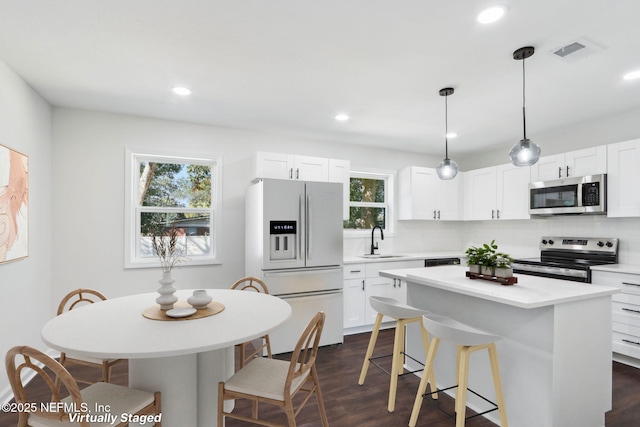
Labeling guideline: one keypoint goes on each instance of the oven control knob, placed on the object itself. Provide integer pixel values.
(609, 244)
(551, 242)
(600, 244)
(544, 241)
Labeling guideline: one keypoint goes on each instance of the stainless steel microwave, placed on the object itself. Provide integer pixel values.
(578, 195)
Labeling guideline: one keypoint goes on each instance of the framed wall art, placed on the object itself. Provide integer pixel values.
(14, 205)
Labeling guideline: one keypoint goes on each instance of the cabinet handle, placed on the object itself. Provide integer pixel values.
(492, 214)
(567, 171)
(363, 285)
(631, 342)
(631, 284)
(632, 311)
(438, 214)
(559, 171)
(399, 283)
(297, 173)
(355, 271)
(497, 213)
(394, 283)
(290, 173)
(434, 214)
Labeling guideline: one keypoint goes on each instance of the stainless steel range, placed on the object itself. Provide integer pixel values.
(569, 258)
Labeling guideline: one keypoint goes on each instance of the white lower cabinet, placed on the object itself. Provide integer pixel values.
(362, 281)
(625, 311)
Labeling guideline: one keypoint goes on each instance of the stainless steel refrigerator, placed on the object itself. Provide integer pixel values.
(293, 241)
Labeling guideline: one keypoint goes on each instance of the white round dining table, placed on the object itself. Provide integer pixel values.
(183, 359)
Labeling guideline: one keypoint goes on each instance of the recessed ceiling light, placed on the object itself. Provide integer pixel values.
(342, 117)
(491, 14)
(179, 90)
(632, 75)
(452, 135)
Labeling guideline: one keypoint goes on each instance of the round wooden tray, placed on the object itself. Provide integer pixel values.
(154, 312)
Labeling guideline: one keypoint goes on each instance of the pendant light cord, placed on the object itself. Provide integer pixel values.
(524, 119)
(446, 128)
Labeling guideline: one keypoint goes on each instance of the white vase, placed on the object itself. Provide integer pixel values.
(200, 299)
(166, 291)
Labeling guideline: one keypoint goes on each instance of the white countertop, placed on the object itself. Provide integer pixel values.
(402, 256)
(529, 292)
(618, 268)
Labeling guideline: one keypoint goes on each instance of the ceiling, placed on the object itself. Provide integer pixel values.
(291, 65)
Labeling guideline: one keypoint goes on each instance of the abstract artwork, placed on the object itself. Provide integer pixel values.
(14, 205)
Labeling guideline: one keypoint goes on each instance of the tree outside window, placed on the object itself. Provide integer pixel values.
(172, 193)
(368, 201)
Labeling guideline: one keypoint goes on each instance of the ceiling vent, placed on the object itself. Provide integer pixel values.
(576, 50)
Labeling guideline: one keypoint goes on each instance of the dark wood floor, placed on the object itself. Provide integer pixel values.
(366, 406)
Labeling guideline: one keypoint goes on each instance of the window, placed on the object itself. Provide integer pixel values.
(166, 192)
(369, 201)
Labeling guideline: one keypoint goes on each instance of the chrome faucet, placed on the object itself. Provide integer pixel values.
(374, 247)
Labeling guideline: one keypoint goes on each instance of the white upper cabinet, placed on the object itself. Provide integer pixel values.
(497, 192)
(623, 176)
(424, 196)
(589, 161)
(512, 195)
(289, 166)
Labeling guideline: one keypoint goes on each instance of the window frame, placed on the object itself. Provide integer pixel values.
(132, 208)
(389, 177)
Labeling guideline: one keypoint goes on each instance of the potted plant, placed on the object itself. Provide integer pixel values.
(486, 260)
(503, 265)
(474, 256)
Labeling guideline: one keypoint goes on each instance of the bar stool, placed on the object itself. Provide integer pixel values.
(403, 314)
(468, 340)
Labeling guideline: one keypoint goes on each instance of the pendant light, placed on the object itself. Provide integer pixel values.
(525, 152)
(446, 169)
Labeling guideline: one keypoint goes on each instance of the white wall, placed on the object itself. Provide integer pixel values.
(88, 207)
(25, 126)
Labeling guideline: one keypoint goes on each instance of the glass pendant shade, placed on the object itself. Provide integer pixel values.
(524, 153)
(447, 169)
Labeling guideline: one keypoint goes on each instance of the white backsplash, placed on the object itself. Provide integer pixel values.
(517, 237)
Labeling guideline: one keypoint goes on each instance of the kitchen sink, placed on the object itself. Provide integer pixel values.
(382, 256)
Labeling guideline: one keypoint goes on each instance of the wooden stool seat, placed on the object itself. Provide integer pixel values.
(403, 314)
(468, 339)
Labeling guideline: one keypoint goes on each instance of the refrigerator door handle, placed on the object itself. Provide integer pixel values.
(308, 227)
(296, 272)
(299, 226)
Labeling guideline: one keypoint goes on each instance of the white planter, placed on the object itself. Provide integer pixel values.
(487, 271)
(503, 272)
(474, 268)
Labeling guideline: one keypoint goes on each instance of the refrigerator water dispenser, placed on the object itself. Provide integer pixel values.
(283, 238)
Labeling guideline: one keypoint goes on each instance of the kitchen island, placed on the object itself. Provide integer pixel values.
(555, 355)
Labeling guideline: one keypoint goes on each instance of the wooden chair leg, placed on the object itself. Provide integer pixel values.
(106, 371)
(372, 344)
(220, 404)
(321, 408)
(426, 374)
(497, 384)
(463, 378)
(425, 344)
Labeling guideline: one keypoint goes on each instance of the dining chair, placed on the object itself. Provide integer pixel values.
(277, 382)
(79, 407)
(251, 349)
(73, 300)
